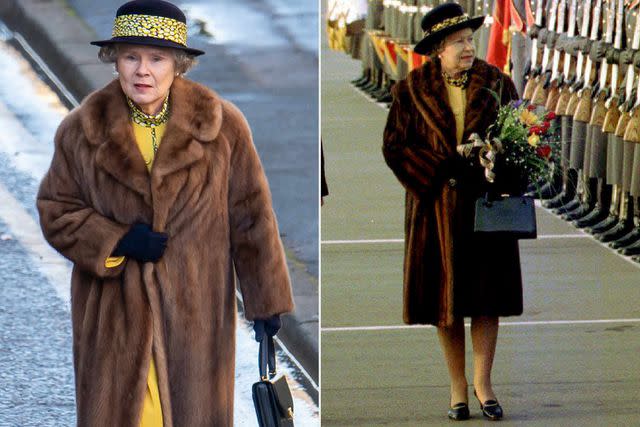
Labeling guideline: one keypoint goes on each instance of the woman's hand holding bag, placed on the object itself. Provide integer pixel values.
(269, 326)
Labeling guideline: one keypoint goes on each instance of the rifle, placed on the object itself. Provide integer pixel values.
(583, 110)
(584, 31)
(539, 96)
(563, 91)
(556, 78)
(615, 100)
(599, 111)
(530, 86)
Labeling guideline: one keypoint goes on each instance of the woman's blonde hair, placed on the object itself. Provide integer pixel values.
(184, 61)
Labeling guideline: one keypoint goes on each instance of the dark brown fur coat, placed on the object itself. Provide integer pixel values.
(207, 190)
(448, 272)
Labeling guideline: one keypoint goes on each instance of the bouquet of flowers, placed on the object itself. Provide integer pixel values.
(520, 148)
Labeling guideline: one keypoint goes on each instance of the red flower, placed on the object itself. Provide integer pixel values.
(537, 129)
(543, 151)
(546, 125)
(550, 115)
(531, 107)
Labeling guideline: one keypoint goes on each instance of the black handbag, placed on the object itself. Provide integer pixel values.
(271, 398)
(506, 217)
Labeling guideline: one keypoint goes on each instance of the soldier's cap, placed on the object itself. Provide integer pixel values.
(155, 23)
(441, 21)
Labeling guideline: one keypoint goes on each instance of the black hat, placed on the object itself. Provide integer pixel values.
(150, 23)
(443, 20)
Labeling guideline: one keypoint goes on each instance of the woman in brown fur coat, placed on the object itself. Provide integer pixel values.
(448, 272)
(156, 194)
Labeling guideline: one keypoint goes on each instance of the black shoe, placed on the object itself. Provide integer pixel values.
(594, 217)
(548, 191)
(459, 412)
(631, 249)
(629, 239)
(561, 199)
(579, 213)
(385, 99)
(603, 226)
(567, 207)
(490, 409)
(619, 230)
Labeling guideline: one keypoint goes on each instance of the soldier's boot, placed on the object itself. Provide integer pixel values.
(602, 206)
(633, 248)
(608, 205)
(611, 220)
(624, 225)
(576, 201)
(549, 189)
(374, 84)
(568, 190)
(385, 95)
(632, 236)
(364, 80)
(588, 202)
(382, 88)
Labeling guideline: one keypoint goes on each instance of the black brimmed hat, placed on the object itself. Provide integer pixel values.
(150, 23)
(441, 21)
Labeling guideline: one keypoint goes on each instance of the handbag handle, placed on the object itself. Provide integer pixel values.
(267, 358)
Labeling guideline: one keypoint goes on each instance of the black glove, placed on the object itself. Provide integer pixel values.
(612, 55)
(142, 244)
(269, 326)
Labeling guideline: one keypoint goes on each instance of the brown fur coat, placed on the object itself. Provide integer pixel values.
(207, 190)
(445, 275)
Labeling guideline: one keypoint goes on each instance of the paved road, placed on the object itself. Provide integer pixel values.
(36, 374)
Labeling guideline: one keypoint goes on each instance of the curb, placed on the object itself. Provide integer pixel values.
(63, 41)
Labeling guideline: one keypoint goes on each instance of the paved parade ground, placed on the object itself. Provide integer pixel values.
(572, 358)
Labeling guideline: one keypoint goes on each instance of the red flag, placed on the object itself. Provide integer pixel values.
(499, 40)
(521, 20)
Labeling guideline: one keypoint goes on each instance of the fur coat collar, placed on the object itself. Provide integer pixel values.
(195, 120)
(429, 94)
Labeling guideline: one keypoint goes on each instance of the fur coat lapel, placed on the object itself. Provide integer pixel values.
(429, 94)
(196, 118)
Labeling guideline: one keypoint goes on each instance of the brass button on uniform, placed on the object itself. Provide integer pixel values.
(452, 182)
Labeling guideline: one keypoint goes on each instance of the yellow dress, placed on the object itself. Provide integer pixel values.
(457, 102)
(151, 411)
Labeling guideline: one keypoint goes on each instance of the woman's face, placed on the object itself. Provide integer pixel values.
(458, 52)
(146, 74)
